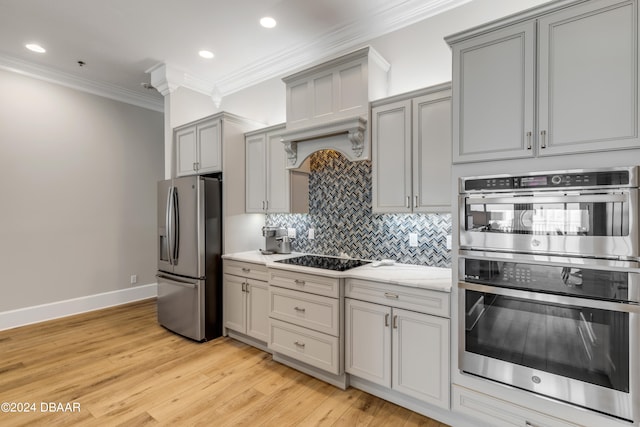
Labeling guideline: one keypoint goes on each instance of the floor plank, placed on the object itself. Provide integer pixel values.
(122, 368)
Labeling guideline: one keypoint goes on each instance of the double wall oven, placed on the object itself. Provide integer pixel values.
(549, 285)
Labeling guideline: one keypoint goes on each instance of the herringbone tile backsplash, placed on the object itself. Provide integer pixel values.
(340, 212)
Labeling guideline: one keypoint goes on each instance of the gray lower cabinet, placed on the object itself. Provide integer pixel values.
(306, 321)
(501, 413)
(389, 344)
(561, 81)
(245, 299)
(411, 152)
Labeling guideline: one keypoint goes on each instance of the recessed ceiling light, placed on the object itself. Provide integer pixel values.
(34, 47)
(268, 22)
(206, 54)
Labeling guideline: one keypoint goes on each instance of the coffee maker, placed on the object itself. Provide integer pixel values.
(276, 240)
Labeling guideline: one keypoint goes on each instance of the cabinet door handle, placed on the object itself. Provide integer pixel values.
(299, 282)
(386, 319)
(194, 166)
(408, 202)
(299, 344)
(246, 288)
(529, 134)
(395, 322)
(300, 309)
(266, 204)
(390, 295)
(244, 284)
(528, 424)
(415, 201)
(543, 139)
(263, 205)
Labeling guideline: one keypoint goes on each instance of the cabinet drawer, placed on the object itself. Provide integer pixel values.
(320, 285)
(415, 299)
(246, 269)
(300, 308)
(500, 412)
(311, 347)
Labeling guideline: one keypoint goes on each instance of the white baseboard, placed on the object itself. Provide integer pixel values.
(40, 313)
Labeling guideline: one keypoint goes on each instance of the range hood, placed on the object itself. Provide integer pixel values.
(328, 106)
(347, 136)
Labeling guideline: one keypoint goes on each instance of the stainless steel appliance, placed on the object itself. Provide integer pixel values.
(581, 213)
(560, 318)
(276, 240)
(189, 256)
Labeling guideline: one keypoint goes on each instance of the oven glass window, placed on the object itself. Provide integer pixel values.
(586, 344)
(563, 219)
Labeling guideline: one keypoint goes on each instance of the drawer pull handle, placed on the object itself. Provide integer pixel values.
(246, 270)
(302, 310)
(299, 282)
(390, 295)
(528, 424)
(386, 319)
(299, 344)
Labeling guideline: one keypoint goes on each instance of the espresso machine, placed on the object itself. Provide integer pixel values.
(277, 241)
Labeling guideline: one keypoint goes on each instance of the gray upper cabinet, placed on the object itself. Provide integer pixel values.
(432, 151)
(585, 72)
(588, 78)
(411, 152)
(199, 147)
(270, 186)
(391, 157)
(493, 79)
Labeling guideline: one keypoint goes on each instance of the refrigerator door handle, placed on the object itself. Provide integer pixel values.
(176, 226)
(167, 224)
(175, 281)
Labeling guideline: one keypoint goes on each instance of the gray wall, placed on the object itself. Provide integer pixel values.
(78, 178)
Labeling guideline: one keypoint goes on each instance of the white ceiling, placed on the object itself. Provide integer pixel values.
(119, 40)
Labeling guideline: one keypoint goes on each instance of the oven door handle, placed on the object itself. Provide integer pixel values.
(549, 198)
(552, 298)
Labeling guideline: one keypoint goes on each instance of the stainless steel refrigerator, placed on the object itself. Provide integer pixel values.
(189, 256)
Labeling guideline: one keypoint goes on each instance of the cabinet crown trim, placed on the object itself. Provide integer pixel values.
(532, 13)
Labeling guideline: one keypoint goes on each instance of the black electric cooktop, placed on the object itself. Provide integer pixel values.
(326, 263)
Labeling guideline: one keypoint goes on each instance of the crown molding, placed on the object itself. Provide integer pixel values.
(105, 90)
(333, 42)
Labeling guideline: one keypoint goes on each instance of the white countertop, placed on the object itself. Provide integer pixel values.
(417, 276)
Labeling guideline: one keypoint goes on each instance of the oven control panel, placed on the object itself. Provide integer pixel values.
(568, 179)
(514, 273)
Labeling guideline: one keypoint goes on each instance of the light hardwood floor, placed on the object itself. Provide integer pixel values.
(122, 368)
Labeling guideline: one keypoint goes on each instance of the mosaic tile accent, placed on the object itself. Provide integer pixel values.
(340, 212)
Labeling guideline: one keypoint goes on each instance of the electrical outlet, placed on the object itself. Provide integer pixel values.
(134, 279)
(291, 232)
(311, 234)
(449, 242)
(413, 240)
